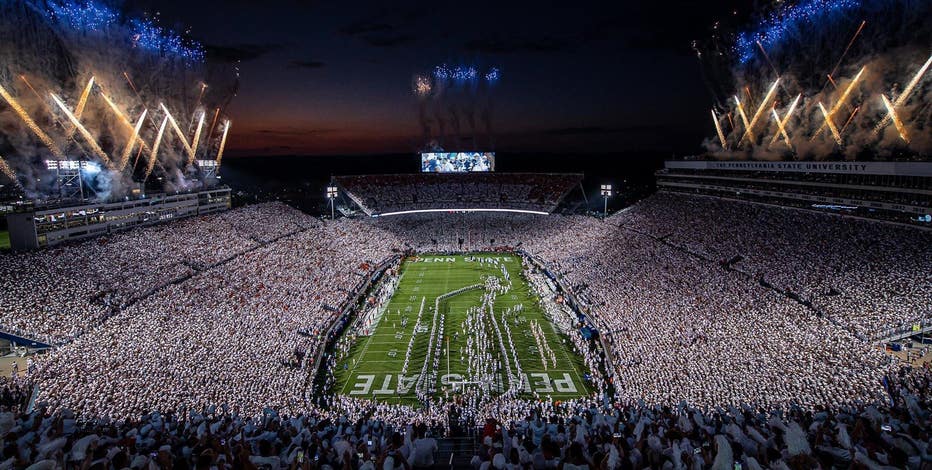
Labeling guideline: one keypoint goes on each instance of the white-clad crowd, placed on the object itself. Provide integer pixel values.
(543, 435)
(57, 294)
(681, 328)
(241, 334)
(525, 191)
(868, 276)
(229, 312)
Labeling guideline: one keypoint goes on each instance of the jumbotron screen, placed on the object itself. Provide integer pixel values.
(457, 162)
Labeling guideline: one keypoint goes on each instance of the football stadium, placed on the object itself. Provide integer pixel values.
(416, 259)
(454, 286)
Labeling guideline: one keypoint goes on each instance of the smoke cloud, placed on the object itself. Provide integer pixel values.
(818, 57)
(55, 46)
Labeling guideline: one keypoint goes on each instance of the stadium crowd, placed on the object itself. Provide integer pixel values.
(870, 277)
(682, 328)
(240, 334)
(57, 294)
(581, 435)
(220, 319)
(390, 193)
(545, 435)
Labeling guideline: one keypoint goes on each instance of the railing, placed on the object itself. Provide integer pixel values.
(575, 305)
(32, 400)
(23, 339)
(331, 331)
(905, 331)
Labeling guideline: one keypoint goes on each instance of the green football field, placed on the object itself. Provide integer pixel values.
(373, 367)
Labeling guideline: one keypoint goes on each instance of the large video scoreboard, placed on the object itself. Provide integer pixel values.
(457, 162)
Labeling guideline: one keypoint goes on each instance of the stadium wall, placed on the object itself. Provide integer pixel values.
(36, 228)
(897, 192)
(853, 168)
(916, 210)
(576, 306)
(344, 318)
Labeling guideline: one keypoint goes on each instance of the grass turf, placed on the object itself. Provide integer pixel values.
(370, 371)
(4, 240)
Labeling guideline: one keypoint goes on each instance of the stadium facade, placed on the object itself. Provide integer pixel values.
(893, 191)
(39, 227)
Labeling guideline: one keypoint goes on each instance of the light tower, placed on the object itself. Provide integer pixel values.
(209, 170)
(332, 196)
(69, 176)
(606, 193)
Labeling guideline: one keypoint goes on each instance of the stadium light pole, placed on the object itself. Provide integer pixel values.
(606, 193)
(332, 195)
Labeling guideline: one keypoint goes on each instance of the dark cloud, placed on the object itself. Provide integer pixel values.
(515, 45)
(365, 27)
(650, 39)
(388, 40)
(598, 130)
(306, 64)
(387, 27)
(607, 30)
(290, 132)
(241, 52)
(650, 25)
(643, 25)
(274, 148)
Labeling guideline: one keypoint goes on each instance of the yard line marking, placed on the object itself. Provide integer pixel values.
(457, 273)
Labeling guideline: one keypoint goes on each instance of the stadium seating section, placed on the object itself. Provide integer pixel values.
(742, 331)
(377, 194)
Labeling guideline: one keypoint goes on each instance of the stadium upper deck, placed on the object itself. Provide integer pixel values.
(34, 227)
(897, 191)
(515, 192)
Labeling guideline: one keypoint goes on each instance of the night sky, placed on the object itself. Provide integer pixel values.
(334, 77)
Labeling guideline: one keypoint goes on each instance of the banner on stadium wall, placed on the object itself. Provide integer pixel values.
(849, 168)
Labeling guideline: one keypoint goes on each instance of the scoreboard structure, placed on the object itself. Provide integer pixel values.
(457, 162)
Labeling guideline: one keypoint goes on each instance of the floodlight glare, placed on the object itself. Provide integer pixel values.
(90, 167)
(332, 196)
(606, 193)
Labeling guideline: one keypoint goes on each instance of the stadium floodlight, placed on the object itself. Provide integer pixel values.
(84, 165)
(69, 175)
(606, 193)
(61, 164)
(332, 196)
(90, 167)
(209, 170)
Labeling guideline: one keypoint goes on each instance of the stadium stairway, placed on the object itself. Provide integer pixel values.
(22, 340)
(454, 452)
